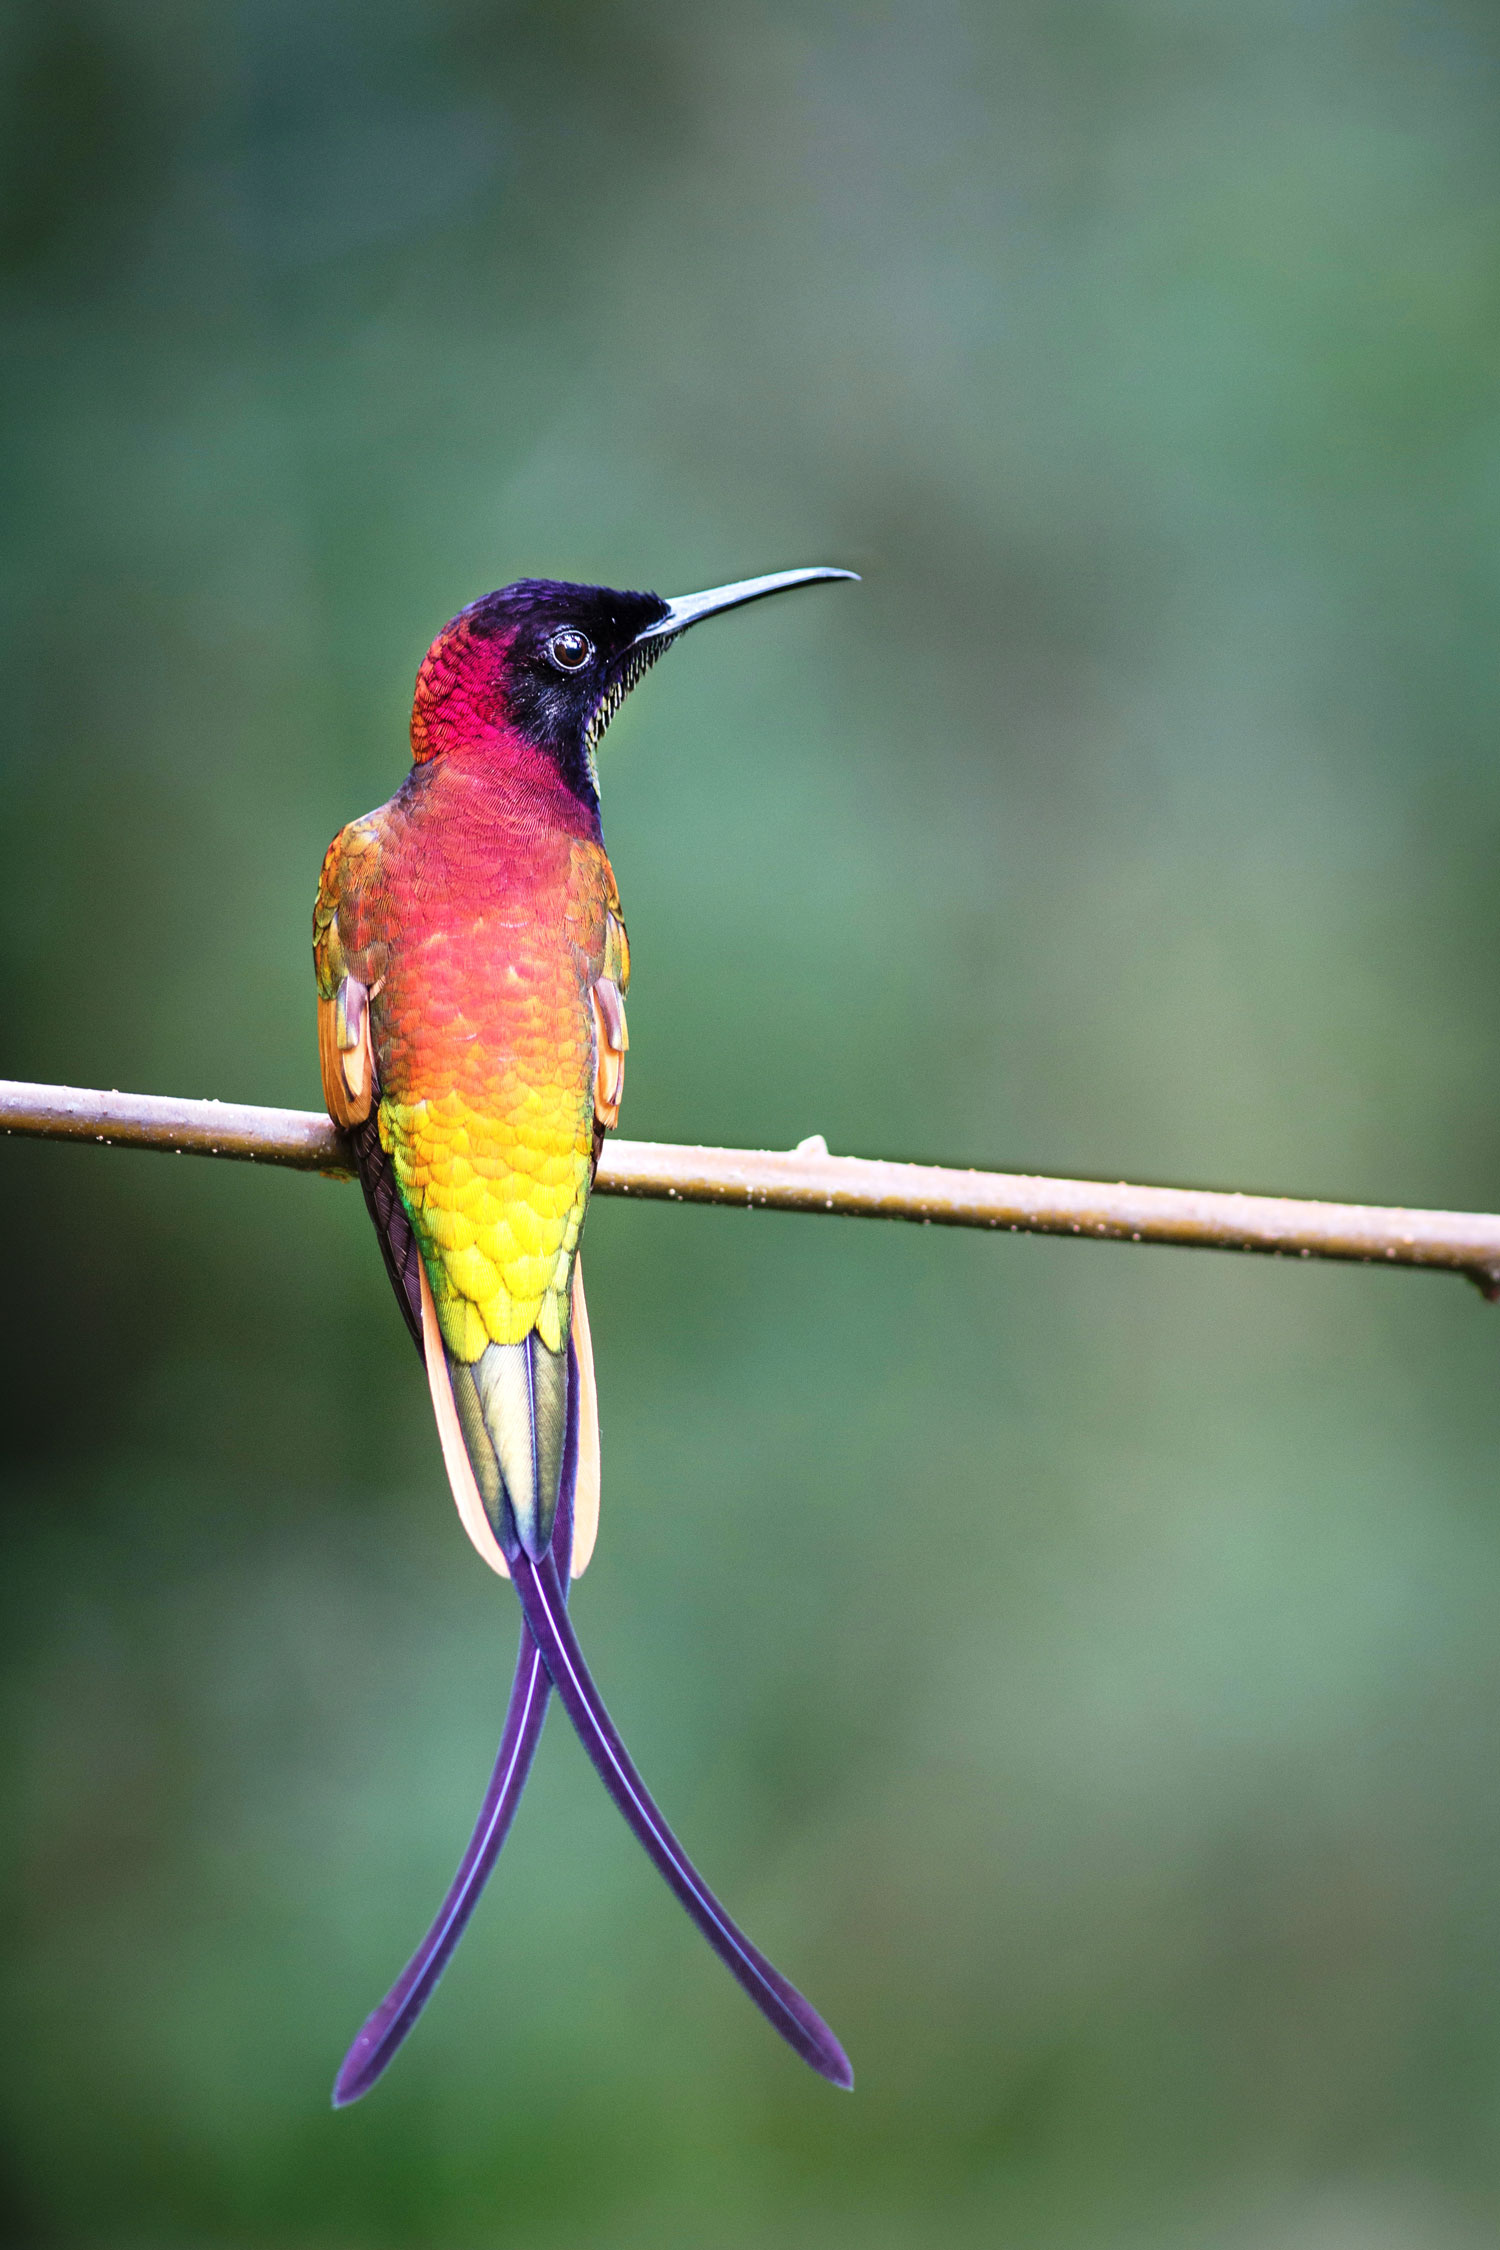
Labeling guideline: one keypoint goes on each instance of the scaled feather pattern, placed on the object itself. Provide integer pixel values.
(472, 967)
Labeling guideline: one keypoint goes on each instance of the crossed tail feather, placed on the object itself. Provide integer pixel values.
(544, 1601)
(516, 1425)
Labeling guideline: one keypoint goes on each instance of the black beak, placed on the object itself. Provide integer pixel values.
(690, 609)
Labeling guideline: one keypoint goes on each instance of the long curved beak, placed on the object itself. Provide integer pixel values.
(691, 609)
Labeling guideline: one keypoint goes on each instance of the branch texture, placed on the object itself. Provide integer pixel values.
(809, 1179)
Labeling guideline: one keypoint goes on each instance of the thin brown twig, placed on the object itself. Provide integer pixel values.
(809, 1179)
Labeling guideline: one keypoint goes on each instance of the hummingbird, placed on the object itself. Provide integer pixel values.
(472, 968)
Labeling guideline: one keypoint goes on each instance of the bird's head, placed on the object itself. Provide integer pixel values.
(549, 664)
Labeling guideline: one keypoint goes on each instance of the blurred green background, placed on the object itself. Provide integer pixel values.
(1080, 1667)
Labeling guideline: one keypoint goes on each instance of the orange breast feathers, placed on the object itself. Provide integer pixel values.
(485, 926)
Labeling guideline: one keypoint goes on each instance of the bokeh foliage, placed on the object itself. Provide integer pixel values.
(1078, 1666)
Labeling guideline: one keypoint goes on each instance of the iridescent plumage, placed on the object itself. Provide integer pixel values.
(472, 967)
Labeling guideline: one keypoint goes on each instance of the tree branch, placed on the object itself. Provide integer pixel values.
(809, 1179)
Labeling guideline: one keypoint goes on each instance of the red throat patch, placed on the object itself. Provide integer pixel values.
(457, 693)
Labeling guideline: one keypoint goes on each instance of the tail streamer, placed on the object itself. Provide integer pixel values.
(545, 1604)
(385, 2030)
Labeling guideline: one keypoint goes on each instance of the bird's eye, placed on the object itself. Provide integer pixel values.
(570, 650)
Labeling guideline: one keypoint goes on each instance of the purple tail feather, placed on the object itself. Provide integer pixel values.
(544, 1600)
(383, 2032)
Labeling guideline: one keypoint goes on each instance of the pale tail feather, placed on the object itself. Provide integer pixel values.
(471, 1513)
(586, 1484)
(466, 1495)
